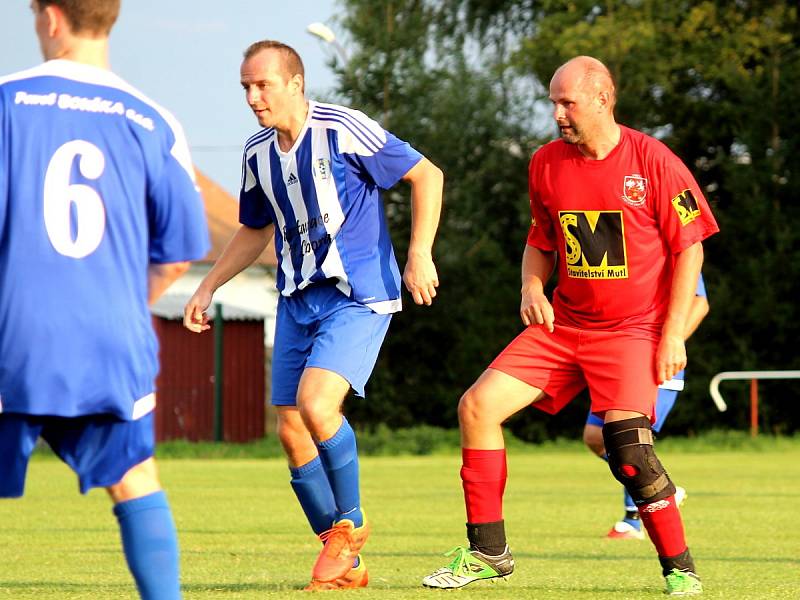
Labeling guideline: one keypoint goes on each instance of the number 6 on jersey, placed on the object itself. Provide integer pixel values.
(60, 194)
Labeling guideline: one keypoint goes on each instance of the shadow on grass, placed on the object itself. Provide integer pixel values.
(48, 587)
(278, 586)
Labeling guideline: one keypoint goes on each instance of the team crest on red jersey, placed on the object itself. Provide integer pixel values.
(634, 189)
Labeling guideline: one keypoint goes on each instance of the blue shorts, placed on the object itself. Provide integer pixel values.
(321, 327)
(99, 448)
(664, 403)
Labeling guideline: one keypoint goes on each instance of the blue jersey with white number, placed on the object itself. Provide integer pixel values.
(96, 183)
(323, 196)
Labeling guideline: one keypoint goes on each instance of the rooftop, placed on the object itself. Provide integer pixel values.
(222, 212)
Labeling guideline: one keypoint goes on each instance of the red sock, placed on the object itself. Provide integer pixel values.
(483, 476)
(663, 522)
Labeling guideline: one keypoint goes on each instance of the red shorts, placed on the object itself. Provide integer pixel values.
(617, 366)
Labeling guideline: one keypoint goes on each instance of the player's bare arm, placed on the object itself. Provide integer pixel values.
(245, 246)
(420, 275)
(535, 308)
(161, 276)
(671, 353)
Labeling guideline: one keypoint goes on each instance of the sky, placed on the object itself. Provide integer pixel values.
(185, 55)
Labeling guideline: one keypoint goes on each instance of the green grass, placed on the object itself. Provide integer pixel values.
(243, 536)
(423, 440)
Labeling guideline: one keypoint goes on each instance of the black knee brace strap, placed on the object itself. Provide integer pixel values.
(629, 445)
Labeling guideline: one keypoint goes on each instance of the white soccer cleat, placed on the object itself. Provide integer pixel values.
(680, 495)
(625, 531)
(468, 566)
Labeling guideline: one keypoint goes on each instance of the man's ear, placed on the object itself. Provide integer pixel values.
(299, 83)
(603, 100)
(55, 21)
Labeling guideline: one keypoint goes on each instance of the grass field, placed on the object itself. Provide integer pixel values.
(243, 536)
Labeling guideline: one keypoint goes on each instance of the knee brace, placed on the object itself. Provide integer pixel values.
(633, 462)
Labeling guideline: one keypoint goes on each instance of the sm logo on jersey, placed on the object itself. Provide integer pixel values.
(595, 244)
(686, 207)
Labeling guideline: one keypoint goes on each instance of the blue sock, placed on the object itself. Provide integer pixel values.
(150, 544)
(339, 456)
(630, 511)
(313, 491)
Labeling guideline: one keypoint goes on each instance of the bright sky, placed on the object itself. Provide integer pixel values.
(185, 55)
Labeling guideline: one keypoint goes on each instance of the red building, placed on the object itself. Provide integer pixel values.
(214, 386)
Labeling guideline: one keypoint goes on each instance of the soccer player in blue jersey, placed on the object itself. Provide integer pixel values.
(312, 177)
(630, 527)
(98, 215)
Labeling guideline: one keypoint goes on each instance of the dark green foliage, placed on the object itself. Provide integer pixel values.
(718, 81)
(452, 114)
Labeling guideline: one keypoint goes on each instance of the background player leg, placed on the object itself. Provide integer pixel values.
(664, 402)
(630, 527)
(149, 539)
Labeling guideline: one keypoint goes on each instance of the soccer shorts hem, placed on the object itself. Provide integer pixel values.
(322, 328)
(617, 366)
(100, 449)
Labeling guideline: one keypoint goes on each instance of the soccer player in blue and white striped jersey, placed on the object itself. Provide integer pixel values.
(312, 177)
(99, 213)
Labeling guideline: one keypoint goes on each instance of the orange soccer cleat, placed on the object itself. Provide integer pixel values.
(343, 542)
(356, 577)
(625, 531)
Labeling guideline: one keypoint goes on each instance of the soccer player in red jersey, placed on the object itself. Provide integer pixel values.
(623, 220)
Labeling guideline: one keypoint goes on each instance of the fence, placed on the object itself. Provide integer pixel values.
(753, 376)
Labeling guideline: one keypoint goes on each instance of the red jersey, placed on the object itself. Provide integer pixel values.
(616, 224)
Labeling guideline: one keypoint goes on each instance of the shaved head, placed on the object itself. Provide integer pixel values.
(589, 75)
(583, 95)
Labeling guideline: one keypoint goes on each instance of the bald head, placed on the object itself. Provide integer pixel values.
(583, 95)
(589, 75)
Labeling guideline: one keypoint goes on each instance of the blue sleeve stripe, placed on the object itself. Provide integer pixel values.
(361, 130)
(360, 121)
(258, 137)
(364, 142)
(356, 117)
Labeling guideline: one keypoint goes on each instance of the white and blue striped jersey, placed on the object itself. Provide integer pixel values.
(323, 196)
(96, 183)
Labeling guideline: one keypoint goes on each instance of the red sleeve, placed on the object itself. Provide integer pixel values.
(540, 234)
(683, 214)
